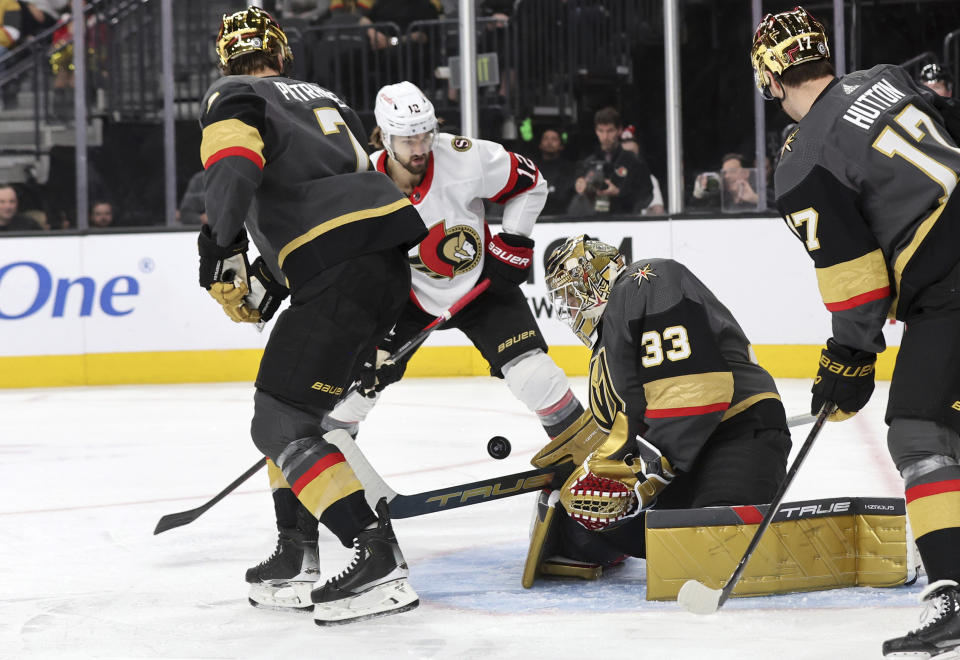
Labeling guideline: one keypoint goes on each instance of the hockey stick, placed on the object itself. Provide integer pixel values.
(181, 518)
(698, 598)
(451, 497)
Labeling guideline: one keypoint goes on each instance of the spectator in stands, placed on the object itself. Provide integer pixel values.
(557, 170)
(730, 190)
(611, 179)
(10, 218)
(10, 30)
(192, 209)
(628, 141)
(10, 25)
(937, 78)
(403, 13)
(101, 215)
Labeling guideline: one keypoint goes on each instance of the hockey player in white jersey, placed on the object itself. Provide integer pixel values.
(447, 178)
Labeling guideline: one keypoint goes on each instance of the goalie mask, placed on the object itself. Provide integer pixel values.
(784, 40)
(251, 30)
(405, 115)
(579, 276)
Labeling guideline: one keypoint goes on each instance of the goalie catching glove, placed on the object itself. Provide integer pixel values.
(845, 378)
(606, 489)
(509, 258)
(247, 292)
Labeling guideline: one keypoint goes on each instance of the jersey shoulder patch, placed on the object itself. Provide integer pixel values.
(460, 143)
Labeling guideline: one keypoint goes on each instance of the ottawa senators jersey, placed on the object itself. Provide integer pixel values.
(673, 359)
(461, 173)
(283, 155)
(866, 181)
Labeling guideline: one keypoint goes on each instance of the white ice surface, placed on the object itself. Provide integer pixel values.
(86, 473)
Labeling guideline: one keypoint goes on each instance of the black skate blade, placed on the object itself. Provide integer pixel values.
(365, 617)
(276, 608)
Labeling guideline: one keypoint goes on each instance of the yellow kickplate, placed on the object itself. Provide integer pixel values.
(582, 571)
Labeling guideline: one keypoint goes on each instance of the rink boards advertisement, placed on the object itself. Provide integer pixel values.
(127, 308)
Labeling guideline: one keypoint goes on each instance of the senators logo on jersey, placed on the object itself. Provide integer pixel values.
(605, 403)
(446, 253)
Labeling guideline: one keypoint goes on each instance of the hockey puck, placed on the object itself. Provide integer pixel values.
(498, 447)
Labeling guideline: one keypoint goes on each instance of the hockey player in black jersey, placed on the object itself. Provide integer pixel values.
(282, 161)
(693, 420)
(867, 181)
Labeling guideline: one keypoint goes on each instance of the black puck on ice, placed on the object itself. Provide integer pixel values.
(498, 447)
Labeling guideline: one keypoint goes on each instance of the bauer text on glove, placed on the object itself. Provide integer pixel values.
(845, 377)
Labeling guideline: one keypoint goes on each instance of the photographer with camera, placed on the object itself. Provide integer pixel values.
(729, 190)
(611, 179)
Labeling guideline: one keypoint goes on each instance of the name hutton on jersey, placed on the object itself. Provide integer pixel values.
(868, 106)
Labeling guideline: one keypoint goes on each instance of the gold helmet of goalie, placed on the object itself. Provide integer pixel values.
(579, 276)
(251, 30)
(784, 40)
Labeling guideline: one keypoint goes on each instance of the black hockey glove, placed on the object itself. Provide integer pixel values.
(224, 274)
(266, 293)
(845, 378)
(508, 260)
(378, 370)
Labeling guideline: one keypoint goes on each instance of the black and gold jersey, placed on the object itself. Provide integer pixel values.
(283, 156)
(673, 359)
(866, 182)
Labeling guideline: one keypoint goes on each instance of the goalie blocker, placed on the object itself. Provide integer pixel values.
(812, 545)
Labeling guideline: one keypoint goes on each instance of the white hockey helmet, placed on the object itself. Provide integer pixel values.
(403, 110)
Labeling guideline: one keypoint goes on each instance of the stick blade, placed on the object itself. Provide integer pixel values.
(698, 598)
(172, 520)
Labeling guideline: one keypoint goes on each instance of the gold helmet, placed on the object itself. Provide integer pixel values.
(784, 40)
(251, 30)
(579, 276)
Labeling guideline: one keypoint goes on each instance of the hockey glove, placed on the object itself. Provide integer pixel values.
(573, 443)
(606, 491)
(509, 259)
(378, 371)
(845, 378)
(266, 293)
(223, 273)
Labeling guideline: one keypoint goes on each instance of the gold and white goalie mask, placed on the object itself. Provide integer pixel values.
(579, 276)
(784, 40)
(251, 30)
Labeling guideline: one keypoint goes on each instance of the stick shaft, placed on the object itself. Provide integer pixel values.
(181, 518)
(775, 504)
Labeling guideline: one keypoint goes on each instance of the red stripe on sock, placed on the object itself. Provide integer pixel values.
(315, 470)
(935, 488)
(564, 400)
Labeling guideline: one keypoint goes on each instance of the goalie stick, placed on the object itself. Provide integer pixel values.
(181, 518)
(698, 598)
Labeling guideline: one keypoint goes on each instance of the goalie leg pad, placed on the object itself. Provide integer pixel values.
(543, 536)
(811, 545)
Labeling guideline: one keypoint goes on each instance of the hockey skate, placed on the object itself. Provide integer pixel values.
(939, 633)
(283, 581)
(373, 584)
